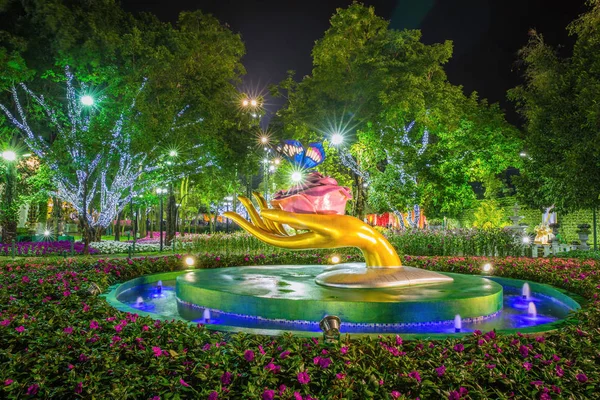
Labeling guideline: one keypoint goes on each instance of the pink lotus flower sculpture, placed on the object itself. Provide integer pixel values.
(316, 195)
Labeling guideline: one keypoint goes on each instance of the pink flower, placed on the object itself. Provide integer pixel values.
(272, 367)
(415, 375)
(340, 376)
(249, 355)
(157, 351)
(491, 366)
(32, 390)
(268, 394)
(261, 350)
(297, 396)
(8, 382)
(527, 366)
(395, 394)
(284, 355)
(344, 350)
(213, 395)
(441, 370)
(226, 378)
(68, 330)
(66, 293)
(94, 324)
(20, 329)
(459, 348)
(5, 322)
(184, 383)
(79, 388)
(398, 341)
(559, 371)
(303, 378)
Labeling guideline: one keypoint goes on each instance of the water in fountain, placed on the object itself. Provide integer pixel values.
(457, 323)
(526, 291)
(159, 286)
(206, 315)
(139, 301)
(532, 310)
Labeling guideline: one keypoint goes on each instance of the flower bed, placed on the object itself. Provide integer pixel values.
(42, 248)
(58, 341)
(114, 247)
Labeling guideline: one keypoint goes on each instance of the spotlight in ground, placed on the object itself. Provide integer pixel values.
(335, 259)
(330, 325)
(526, 239)
(46, 232)
(9, 155)
(487, 267)
(189, 261)
(87, 100)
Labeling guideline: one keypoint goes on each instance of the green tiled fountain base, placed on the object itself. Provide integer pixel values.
(289, 292)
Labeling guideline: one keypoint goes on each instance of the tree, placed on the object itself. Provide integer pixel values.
(559, 103)
(411, 137)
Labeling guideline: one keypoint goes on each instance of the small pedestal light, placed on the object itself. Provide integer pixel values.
(189, 261)
(330, 325)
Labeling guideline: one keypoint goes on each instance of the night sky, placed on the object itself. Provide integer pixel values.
(279, 34)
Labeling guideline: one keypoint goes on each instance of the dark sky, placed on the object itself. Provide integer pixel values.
(279, 34)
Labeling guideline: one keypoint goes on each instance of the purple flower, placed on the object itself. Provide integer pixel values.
(527, 366)
(184, 383)
(226, 378)
(441, 370)
(79, 388)
(268, 394)
(213, 395)
(582, 378)
(68, 330)
(491, 366)
(32, 390)
(303, 378)
(249, 355)
(415, 375)
(94, 324)
(524, 351)
(284, 355)
(459, 348)
(453, 395)
(344, 350)
(20, 329)
(325, 362)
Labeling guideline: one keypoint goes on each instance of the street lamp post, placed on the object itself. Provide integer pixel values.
(160, 192)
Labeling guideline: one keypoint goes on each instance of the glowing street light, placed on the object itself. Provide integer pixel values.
(173, 153)
(264, 139)
(9, 155)
(297, 176)
(87, 100)
(245, 102)
(271, 168)
(253, 103)
(337, 139)
(277, 161)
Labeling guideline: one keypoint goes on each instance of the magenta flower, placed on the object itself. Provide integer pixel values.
(491, 366)
(395, 394)
(268, 394)
(524, 351)
(66, 293)
(249, 355)
(157, 351)
(68, 330)
(340, 376)
(344, 350)
(441, 370)
(213, 395)
(8, 382)
(32, 390)
(582, 378)
(303, 378)
(454, 395)
(297, 396)
(5, 322)
(527, 366)
(459, 348)
(94, 324)
(284, 355)
(324, 362)
(559, 371)
(79, 388)
(226, 378)
(20, 329)
(184, 383)
(415, 375)
(398, 341)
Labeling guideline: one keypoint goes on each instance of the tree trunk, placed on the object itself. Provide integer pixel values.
(359, 198)
(57, 216)
(9, 220)
(118, 227)
(142, 222)
(171, 218)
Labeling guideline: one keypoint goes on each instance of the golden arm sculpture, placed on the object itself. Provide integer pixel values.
(326, 231)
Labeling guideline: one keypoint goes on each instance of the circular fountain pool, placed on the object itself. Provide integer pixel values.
(272, 299)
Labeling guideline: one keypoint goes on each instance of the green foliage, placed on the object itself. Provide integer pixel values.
(50, 344)
(559, 104)
(489, 215)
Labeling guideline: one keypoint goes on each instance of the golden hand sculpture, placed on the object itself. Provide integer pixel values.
(326, 231)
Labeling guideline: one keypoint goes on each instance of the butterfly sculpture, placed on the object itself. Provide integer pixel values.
(303, 158)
